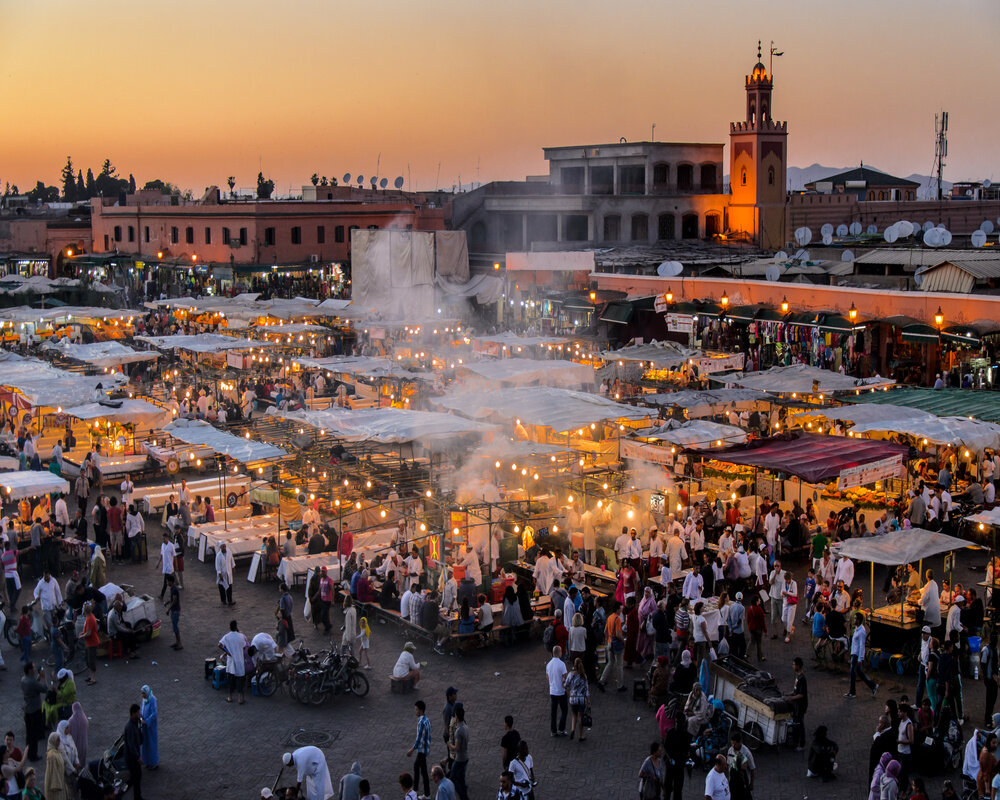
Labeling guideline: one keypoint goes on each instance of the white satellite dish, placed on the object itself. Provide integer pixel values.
(918, 278)
(847, 255)
(670, 269)
(940, 226)
(904, 228)
(801, 255)
(891, 234)
(986, 227)
(826, 230)
(927, 226)
(803, 236)
(945, 237)
(932, 238)
(872, 230)
(842, 230)
(781, 255)
(772, 273)
(827, 239)
(978, 238)
(856, 229)
(987, 183)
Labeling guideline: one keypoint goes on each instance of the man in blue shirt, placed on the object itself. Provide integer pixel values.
(820, 634)
(858, 657)
(445, 788)
(737, 615)
(422, 747)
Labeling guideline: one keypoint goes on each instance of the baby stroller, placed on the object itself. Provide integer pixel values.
(712, 741)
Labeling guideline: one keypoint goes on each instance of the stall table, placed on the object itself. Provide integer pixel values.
(291, 569)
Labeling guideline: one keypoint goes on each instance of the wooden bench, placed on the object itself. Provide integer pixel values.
(400, 685)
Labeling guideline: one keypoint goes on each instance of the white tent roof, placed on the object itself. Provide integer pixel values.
(332, 305)
(506, 449)
(30, 483)
(513, 340)
(361, 365)
(201, 342)
(100, 354)
(661, 354)
(990, 517)
(868, 413)
(247, 451)
(72, 313)
(385, 425)
(138, 411)
(530, 372)
(698, 434)
(805, 379)
(291, 328)
(700, 403)
(45, 385)
(559, 409)
(901, 547)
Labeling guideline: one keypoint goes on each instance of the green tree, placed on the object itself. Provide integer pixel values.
(81, 187)
(107, 168)
(163, 187)
(91, 183)
(231, 183)
(265, 187)
(43, 194)
(68, 181)
(315, 179)
(324, 181)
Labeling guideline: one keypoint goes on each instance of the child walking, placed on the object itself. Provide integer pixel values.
(364, 636)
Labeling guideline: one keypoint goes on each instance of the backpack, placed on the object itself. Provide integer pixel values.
(549, 637)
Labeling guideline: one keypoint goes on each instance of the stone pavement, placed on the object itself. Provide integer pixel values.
(214, 749)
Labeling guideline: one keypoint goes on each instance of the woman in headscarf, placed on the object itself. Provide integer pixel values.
(65, 693)
(684, 675)
(150, 740)
(365, 592)
(70, 753)
(98, 568)
(631, 633)
(697, 710)
(875, 788)
(889, 787)
(646, 610)
(78, 726)
(55, 771)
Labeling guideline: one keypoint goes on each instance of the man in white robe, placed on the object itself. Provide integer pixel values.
(313, 774)
(224, 565)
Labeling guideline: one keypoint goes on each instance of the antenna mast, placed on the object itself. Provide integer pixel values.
(940, 148)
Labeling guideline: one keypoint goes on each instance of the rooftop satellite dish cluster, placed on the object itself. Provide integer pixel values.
(899, 230)
(374, 181)
(937, 237)
(670, 269)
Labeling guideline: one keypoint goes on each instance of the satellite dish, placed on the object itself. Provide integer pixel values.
(803, 236)
(670, 269)
(986, 227)
(905, 229)
(801, 255)
(847, 255)
(374, 181)
(772, 273)
(347, 177)
(827, 229)
(987, 183)
(872, 230)
(968, 192)
(978, 239)
(940, 226)
(932, 238)
(891, 234)
(827, 239)
(945, 237)
(383, 183)
(361, 179)
(842, 230)
(398, 183)
(781, 255)
(918, 278)
(855, 228)
(928, 225)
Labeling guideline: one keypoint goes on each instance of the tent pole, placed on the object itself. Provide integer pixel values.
(872, 590)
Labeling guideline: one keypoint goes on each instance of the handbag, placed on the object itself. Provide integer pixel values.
(617, 645)
(588, 717)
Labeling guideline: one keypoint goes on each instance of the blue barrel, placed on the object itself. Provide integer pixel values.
(975, 644)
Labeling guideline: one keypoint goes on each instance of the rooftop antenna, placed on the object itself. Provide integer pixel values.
(940, 147)
(437, 181)
(652, 132)
(774, 52)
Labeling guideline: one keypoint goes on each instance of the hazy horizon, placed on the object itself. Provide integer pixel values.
(192, 93)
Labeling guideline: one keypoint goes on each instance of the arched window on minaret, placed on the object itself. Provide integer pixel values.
(770, 176)
(743, 176)
(763, 112)
(753, 113)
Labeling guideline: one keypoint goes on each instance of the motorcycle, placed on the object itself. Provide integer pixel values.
(334, 674)
(272, 674)
(10, 627)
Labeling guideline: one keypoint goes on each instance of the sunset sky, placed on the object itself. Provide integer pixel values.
(192, 91)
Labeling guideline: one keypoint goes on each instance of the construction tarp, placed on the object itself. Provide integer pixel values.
(30, 483)
(452, 257)
(530, 372)
(812, 457)
(246, 451)
(201, 342)
(100, 354)
(385, 425)
(803, 379)
(705, 403)
(697, 434)
(392, 271)
(485, 288)
(901, 547)
(127, 410)
(41, 384)
(562, 410)
(942, 402)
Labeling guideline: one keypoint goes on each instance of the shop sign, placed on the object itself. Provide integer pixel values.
(660, 304)
(657, 503)
(706, 366)
(680, 323)
(234, 359)
(651, 454)
(865, 474)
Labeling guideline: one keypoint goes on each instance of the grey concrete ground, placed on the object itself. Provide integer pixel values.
(209, 748)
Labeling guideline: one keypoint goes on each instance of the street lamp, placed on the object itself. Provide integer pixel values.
(669, 295)
(853, 313)
(784, 305)
(939, 317)
(725, 300)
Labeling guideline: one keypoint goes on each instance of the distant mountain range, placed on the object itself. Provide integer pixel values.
(798, 177)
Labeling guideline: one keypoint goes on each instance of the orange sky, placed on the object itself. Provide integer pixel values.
(192, 91)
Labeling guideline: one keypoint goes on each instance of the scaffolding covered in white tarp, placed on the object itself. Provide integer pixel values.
(41, 384)
(246, 451)
(202, 342)
(30, 483)
(100, 354)
(697, 434)
(529, 372)
(803, 379)
(560, 409)
(385, 425)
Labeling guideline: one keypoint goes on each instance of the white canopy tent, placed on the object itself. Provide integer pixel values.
(246, 451)
(697, 434)
(130, 410)
(663, 355)
(803, 379)
(365, 366)
(901, 547)
(705, 403)
(291, 328)
(529, 372)
(29, 483)
(202, 343)
(41, 384)
(386, 425)
(511, 341)
(100, 354)
(560, 409)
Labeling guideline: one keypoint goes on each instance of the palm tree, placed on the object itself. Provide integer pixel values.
(231, 181)
(315, 179)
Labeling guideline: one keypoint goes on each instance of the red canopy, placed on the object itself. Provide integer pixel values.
(812, 457)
